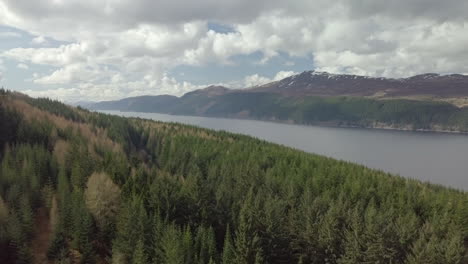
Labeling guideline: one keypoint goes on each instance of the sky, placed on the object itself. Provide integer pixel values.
(92, 50)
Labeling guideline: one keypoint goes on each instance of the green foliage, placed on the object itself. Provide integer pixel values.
(229, 253)
(56, 107)
(168, 193)
(335, 111)
(82, 228)
(10, 121)
(132, 227)
(140, 256)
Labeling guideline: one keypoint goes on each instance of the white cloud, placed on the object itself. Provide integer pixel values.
(60, 56)
(127, 47)
(39, 40)
(71, 74)
(283, 74)
(22, 66)
(255, 79)
(115, 90)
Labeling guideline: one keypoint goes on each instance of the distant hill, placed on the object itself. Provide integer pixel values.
(427, 101)
(139, 104)
(327, 84)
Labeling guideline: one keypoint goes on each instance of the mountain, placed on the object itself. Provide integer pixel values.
(139, 104)
(313, 83)
(85, 187)
(423, 102)
(210, 91)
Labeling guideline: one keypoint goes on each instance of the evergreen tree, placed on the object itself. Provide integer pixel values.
(187, 243)
(246, 240)
(64, 199)
(454, 247)
(83, 228)
(139, 255)
(156, 238)
(181, 185)
(132, 226)
(172, 248)
(26, 215)
(229, 253)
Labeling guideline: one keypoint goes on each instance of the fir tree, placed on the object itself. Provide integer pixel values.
(139, 255)
(229, 253)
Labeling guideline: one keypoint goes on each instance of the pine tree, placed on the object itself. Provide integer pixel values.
(122, 248)
(426, 249)
(132, 226)
(64, 197)
(353, 244)
(205, 244)
(18, 238)
(187, 243)
(454, 247)
(246, 237)
(156, 238)
(172, 248)
(229, 253)
(77, 177)
(82, 227)
(258, 257)
(27, 216)
(139, 255)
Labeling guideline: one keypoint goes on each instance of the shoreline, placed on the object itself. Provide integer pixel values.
(378, 126)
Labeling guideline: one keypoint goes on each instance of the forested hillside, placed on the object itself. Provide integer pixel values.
(311, 110)
(84, 187)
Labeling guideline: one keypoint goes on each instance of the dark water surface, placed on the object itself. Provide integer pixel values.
(436, 157)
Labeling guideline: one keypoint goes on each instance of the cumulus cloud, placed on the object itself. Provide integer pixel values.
(128, 47)
(115, 89)
(71, 74)
(63, 17)
(255, 79)
(39, 40)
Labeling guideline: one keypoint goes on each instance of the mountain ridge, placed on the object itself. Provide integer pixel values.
(317, 82)
(423, 102)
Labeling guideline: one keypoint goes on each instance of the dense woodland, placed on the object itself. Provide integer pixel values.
(84, 187)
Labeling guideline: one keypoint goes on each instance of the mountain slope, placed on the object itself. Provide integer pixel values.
(118, 190)
(325, 99)
(139, 104)
(312, 83)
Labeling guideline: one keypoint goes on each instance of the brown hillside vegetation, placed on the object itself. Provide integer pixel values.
(94, 135)
(41, 237)
(154, 192)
